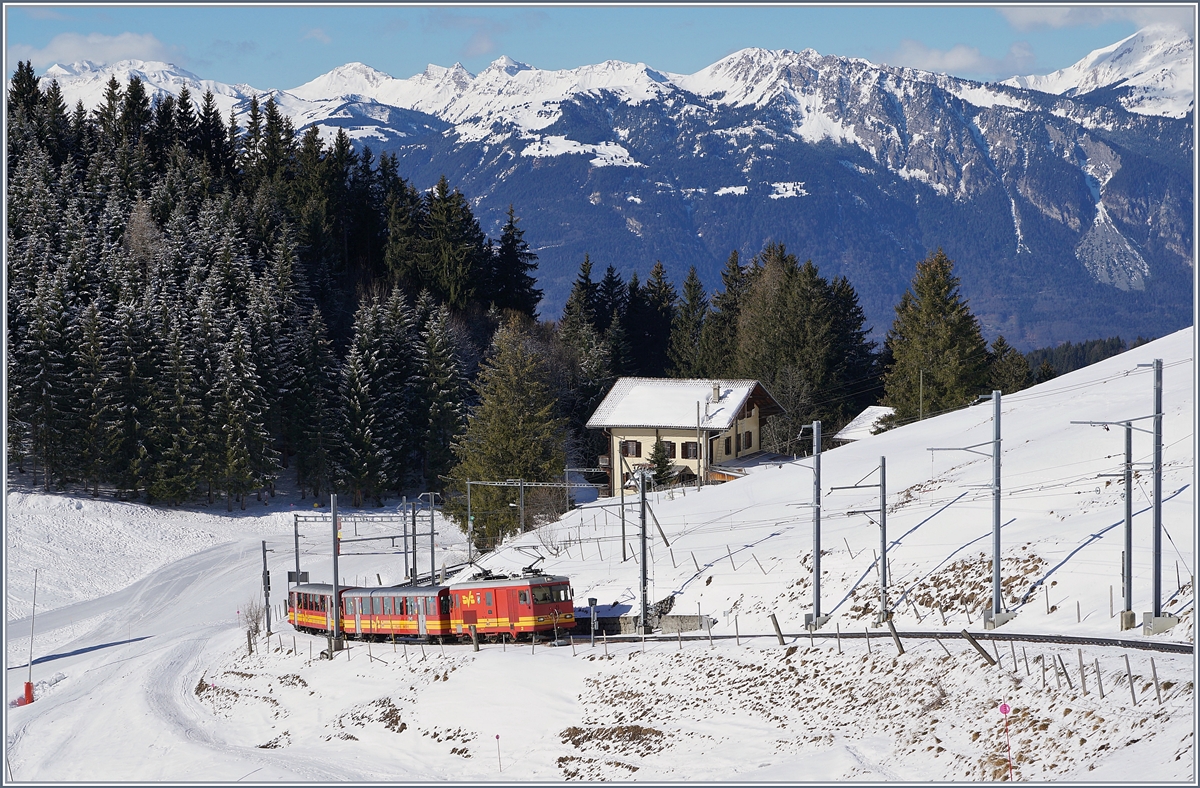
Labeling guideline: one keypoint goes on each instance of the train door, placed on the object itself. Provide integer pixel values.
(421, 626)
(514, 611)
(327, 603)
(357, 616)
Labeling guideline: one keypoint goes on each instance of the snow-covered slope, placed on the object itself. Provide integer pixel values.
(153, 683)
(1154, 67)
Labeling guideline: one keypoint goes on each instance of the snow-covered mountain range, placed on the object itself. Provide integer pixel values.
(1152, 72)
(1069, 193)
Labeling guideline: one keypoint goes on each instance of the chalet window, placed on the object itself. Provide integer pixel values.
(728, 446)
(748, 441)
(670, 446)
(631, 448)
(739, 441)
(691, 450)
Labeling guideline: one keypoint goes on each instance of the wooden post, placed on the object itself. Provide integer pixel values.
(895, 637)
(1078, 616)
(679, 637)
(736, 633)
(249, 643)
(867, 632)
(731, 563)
(942, 610)
(694, 561)
(1082, 677)
(1154, 673)
(474, 636)
(1129, 675)
(996, 651)
(839, 637)
(760, 566)
(778, 633)
(1013, 649)
(982, 651)
(1046, 589)
(1099, 680)
(1110, 602)
(1066, 675)
(605, 634)
(943, 645)
(1026, 658)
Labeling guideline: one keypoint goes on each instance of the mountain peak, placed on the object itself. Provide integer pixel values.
(1153, 68)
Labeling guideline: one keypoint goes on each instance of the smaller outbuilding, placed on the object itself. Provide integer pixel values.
(701, 422)
(863, 425)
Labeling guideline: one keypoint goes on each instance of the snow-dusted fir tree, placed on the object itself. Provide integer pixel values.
(315, 438)
(445, 396)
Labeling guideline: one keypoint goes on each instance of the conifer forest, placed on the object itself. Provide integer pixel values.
(198, 305)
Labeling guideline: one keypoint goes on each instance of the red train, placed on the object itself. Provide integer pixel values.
(514, 607)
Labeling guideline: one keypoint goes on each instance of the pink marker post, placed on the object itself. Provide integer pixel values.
(1004, 710)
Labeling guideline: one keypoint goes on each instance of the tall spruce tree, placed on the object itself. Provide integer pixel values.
(934, 339)
(1008, 371)
(718, 336)
(445, 397)
(514, 285)
(513, 433)
(684, 350)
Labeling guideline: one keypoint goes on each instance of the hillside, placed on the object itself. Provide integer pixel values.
(142, 673)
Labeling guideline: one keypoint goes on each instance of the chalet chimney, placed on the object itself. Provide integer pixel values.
(716, 397)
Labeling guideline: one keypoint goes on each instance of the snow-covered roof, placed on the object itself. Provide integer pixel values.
(862, 424)
(670, 403)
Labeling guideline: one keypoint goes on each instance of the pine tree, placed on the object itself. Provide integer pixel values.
(513, 433)
(24, 94)
(514, 285)
(660, 464)
(934, 331)
(578, 325)
(247, 459)
(315, 437)
(90, 402)
(176, 419)
(1045, 371)
(718, 336)
(398, 375)
(611, 298)
(444, 397)
(1009, 370)
(684, 350)
(453, 256)
(362, 459)
(135, 112)
(128, 370)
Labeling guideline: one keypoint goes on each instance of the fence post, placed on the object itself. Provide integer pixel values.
(982, 651)
(778, 633)
(1082, 677)
(1099, 680)
(895, 637)
(1129, 675)
(1154, 673)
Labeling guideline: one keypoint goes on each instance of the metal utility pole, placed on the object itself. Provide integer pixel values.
(413, 576)
(645, 570)
(884, 615)
(296, 536)
(921, 401)
(1154, 622)
(403, 523)
(470, 523)
(699, 449)
(996, 616)
(432, 557)
(1158, 417)
(816, 619)
(266, 581)
(335, 642)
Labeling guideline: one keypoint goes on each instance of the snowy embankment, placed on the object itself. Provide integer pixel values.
(142, 670)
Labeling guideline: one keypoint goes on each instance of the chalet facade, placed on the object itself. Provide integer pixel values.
(703, 423)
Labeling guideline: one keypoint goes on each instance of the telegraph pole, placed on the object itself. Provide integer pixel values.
(996, 616)
(266, 580)
(335, 643)
(645, 570)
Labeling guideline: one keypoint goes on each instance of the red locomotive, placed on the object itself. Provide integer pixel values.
(511, 607)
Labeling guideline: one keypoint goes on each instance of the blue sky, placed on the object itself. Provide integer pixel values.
(283, 46)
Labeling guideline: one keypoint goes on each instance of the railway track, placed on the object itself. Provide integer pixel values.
(1064, 640)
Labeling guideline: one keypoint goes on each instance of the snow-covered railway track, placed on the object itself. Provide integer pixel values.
(1016, 637)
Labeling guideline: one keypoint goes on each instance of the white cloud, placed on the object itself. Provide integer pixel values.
(961, 60)
(97, 47)
(317, 34)
(1027, 18)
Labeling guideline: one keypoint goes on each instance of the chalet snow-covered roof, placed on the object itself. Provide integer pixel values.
(862, 424)
(670, 403)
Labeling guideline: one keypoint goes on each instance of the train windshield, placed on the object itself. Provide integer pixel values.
(544, 594)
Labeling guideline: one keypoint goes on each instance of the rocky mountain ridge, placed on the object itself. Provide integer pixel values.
(1067, 207)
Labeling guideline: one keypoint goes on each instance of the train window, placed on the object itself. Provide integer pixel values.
(541, 595)
(387, 605)
(523, 597)
(560, 594)
(487, 598)
(378, 605)
(445, 605)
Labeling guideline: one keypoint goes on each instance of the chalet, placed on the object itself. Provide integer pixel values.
(702, 423)
(863, 425)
